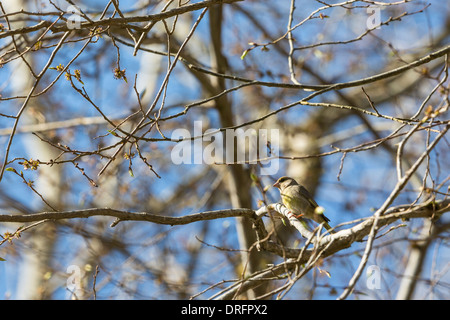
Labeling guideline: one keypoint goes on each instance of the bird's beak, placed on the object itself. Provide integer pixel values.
(276, 185)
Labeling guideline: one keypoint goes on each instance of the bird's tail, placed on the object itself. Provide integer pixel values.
(321, 218)
(328, 227)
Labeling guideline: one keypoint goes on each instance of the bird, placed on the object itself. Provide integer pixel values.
(300, 202)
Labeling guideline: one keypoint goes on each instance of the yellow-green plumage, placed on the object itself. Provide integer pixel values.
(298, 200)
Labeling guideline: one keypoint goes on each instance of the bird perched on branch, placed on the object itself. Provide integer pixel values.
(298, 200)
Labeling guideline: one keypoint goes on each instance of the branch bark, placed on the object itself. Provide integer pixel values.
(120, 21)
(342, 239)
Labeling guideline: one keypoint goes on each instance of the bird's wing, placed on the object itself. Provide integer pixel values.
(308, 196)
